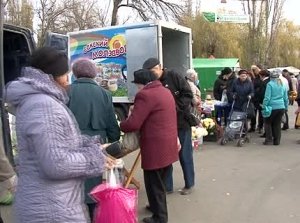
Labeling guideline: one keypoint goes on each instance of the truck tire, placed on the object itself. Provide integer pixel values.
(120, 113)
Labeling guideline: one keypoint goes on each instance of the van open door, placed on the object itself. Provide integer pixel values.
(58, 41)
(16, 45)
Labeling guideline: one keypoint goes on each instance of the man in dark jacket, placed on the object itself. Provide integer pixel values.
(183, 97)
(93, 109)
(257, 100)
(220, 88)
(229, 84)
(220, 83)
(265, 77)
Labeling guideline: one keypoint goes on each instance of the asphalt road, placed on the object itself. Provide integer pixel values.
(252, 184)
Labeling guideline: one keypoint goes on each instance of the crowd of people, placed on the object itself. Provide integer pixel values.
(269, 93)
(63, 130)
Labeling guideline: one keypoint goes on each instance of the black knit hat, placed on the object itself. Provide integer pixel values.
(50, 61)
(226, 70)
(143, 76)
(150, 63)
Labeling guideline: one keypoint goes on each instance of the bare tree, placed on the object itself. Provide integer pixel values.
(103, 14)
(48, 12)
(265, 18)
(274, 13)
(147, 8)
(79, 16)
(20, 13)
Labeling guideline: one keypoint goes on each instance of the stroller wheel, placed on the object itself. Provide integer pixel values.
(240, 142)
(223, 141)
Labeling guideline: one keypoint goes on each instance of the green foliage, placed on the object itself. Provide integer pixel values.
(224, 40)
(121, 92)
(217, 39)
(287, 49)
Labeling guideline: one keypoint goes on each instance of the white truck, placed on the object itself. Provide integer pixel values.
(120, 50)
(117, 51)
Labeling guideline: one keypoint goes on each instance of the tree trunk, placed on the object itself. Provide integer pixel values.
(114, 15)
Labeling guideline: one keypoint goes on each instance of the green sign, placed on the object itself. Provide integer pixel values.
(209, 16)
(230, 18)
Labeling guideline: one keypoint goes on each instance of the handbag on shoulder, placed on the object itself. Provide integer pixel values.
(194, 118)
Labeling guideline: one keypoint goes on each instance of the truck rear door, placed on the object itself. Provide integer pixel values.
(141, 43)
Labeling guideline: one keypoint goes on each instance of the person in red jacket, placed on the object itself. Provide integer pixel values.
(154, 116)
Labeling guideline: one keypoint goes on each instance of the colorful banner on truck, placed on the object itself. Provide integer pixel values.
(107, 48)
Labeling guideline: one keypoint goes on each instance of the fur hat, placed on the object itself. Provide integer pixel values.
(84, 68)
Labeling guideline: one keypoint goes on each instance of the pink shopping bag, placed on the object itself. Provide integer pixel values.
(115, 203)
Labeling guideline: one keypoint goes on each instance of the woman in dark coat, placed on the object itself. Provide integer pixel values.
(154, 116)
(220, 83)
(93, 109)
(257, 100)
(242, 90)
(219, 89)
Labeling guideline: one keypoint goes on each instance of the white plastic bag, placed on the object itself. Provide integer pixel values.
(224, 99)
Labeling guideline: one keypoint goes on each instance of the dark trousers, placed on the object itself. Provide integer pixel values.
(91, 208)
(222, 111)
(260, 119)
(273, 126)
(1, 221)
(286, 123)
(186, 160)
(156, 193)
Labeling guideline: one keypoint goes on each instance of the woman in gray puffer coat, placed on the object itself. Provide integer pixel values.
(54, 158)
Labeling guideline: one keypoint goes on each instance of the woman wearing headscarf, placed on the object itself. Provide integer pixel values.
(274, 105)
(242, 90)
(54, 158)
(93, 109)
(192, 79)
(154, 116)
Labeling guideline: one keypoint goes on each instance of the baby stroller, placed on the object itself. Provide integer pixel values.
(236, 127)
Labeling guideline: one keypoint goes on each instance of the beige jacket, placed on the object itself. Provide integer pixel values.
(196, 93)
(8, 177)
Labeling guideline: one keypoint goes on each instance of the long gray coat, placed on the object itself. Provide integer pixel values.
(54, 159)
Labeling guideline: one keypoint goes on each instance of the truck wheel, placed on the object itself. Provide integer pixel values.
(120, 114)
